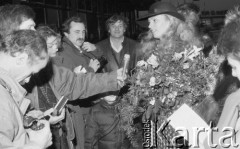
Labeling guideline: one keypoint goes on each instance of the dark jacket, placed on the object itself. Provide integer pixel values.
(66, 83)
(102, 128)
(70, 57)
(129, 47)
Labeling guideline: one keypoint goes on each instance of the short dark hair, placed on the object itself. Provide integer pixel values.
(11, 17)
(27, 41)
(66, 24)
(113, 19)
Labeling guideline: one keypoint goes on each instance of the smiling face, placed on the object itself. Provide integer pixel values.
(117, 29)
(76, 33)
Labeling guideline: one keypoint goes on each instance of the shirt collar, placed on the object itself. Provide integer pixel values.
(114, 48)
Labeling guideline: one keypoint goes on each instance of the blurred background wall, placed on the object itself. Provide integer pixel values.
(95, 12)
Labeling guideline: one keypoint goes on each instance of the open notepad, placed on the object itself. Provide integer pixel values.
(187, 121)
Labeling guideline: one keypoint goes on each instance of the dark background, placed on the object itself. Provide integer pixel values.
(95, 12)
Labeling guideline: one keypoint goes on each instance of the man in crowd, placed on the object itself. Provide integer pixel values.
(22, 54)
(63, 81)
(75, 54)
(117, 44)
(21, 18)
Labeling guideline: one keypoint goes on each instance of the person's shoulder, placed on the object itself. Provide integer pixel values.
(132, 43)
(131, 40)
(66, 47)
(103, 45)
(60, 69)
(235, 94)
(5, 92)
(233, 98)
(103, 42)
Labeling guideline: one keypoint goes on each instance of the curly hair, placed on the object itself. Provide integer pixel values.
(27, 41)
(180, 34)
(229, 42)
(113, 19)
(190, 12)
(46, 32)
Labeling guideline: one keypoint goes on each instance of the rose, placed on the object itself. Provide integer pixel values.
(140, 74)
(142, 63)
(152, 101)
(193, 53)
(186, 66)
(153, 60)
(152, 81)
(178, 56)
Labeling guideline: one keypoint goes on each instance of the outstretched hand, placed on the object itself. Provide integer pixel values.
(121, 77)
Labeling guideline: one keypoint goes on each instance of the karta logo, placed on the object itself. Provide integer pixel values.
(212, 137)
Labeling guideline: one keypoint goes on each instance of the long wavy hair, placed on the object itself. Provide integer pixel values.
(172, 39)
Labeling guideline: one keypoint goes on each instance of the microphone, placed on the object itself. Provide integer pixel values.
(125, 64)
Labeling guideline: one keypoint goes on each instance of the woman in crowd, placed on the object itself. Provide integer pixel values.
(169, 28)
(171, 33)
(229, 46)
(47, 98)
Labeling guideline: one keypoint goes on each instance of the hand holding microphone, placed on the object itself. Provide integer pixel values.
(122, 72)
(125, 65)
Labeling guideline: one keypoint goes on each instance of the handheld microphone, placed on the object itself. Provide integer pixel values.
(125, 64)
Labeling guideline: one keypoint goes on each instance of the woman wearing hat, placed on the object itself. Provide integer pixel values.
(168, 34)
(168, 26)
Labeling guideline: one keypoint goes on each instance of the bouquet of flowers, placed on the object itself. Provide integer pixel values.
(167, 79)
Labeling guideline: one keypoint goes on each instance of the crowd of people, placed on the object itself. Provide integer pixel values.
(39, 66)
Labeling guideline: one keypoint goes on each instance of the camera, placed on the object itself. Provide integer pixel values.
(30, 122)
(103, 62)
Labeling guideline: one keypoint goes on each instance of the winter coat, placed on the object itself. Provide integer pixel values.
(102, 128)
(13, 105)
(70, 57)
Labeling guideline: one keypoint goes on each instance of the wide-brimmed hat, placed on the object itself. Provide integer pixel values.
(158, 8)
